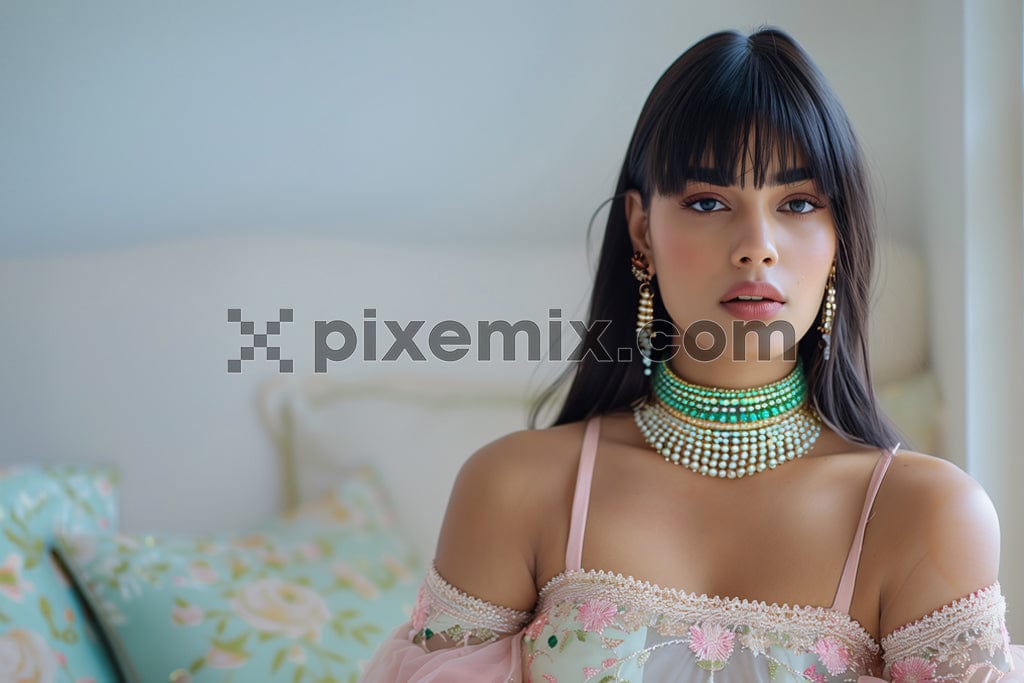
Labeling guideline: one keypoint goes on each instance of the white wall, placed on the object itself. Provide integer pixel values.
(993, 261)
(975, 242)
(124, 122)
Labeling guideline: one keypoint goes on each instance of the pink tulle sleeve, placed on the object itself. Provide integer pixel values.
(965, 641)
(398, 660)
(451, 637)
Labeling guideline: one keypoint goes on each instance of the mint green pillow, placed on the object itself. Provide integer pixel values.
(45, 632)
(306, 598)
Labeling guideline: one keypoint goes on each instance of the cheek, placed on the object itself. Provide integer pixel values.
(684, 267)
(809, 259)
(813, 280)
(678, 254)
(818, 261)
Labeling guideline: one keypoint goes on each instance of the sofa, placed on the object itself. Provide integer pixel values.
(185, 496)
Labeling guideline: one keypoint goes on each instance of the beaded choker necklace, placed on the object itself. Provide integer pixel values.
(728, 433)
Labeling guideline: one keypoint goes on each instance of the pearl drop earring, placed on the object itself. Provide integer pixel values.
(828, 313)
(645, 308)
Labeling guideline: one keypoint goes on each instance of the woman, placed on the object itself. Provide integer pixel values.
(740, 464)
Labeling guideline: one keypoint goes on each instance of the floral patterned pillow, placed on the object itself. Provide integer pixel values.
(45, 633)
(307, 598)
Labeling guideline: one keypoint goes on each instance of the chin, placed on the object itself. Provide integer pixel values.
(754, 355)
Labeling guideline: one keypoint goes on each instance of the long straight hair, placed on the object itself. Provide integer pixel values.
(727, 94)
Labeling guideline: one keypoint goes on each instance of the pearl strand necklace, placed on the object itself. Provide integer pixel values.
(728, 433)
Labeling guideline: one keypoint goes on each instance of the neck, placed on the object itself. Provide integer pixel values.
(730, 374)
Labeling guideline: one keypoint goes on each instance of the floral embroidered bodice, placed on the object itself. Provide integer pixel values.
(621, 629)
(594, 625)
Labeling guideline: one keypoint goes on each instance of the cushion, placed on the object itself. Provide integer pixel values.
(46, 634)
(418, 431)
(305, 598)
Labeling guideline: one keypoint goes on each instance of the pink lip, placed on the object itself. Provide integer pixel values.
(765, 290)
(753, 310)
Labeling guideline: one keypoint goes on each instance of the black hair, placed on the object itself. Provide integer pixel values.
(727, 94)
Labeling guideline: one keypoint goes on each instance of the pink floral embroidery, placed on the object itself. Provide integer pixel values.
(421, 610)
(833, 654)
(711, 642)
(912, 670)
(813, 675)
(589, 672)
(536, 626)
(608, 663)
(595, 615)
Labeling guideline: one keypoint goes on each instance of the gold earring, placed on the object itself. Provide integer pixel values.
(645, 309)
(828, 313)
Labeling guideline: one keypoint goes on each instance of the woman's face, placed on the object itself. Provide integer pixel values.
(713, 236)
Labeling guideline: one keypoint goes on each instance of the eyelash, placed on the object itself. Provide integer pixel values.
(688, 204)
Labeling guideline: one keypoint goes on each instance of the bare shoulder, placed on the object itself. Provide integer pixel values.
(943, 532)
(490, 536)
(924, 491)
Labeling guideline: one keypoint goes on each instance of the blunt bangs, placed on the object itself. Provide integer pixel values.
(757, 107)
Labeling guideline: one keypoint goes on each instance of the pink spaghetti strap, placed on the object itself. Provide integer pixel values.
(844, 594)
(581, 497)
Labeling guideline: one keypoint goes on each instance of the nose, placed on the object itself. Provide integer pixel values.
(755, 244)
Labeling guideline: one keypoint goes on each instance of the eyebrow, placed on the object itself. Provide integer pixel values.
(717, 177)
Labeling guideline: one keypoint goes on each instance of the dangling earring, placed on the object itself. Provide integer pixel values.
(828, 313)
(645, 309)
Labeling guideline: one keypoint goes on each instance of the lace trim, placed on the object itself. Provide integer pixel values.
(672, 611)
(469, 610)
(950, 632)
